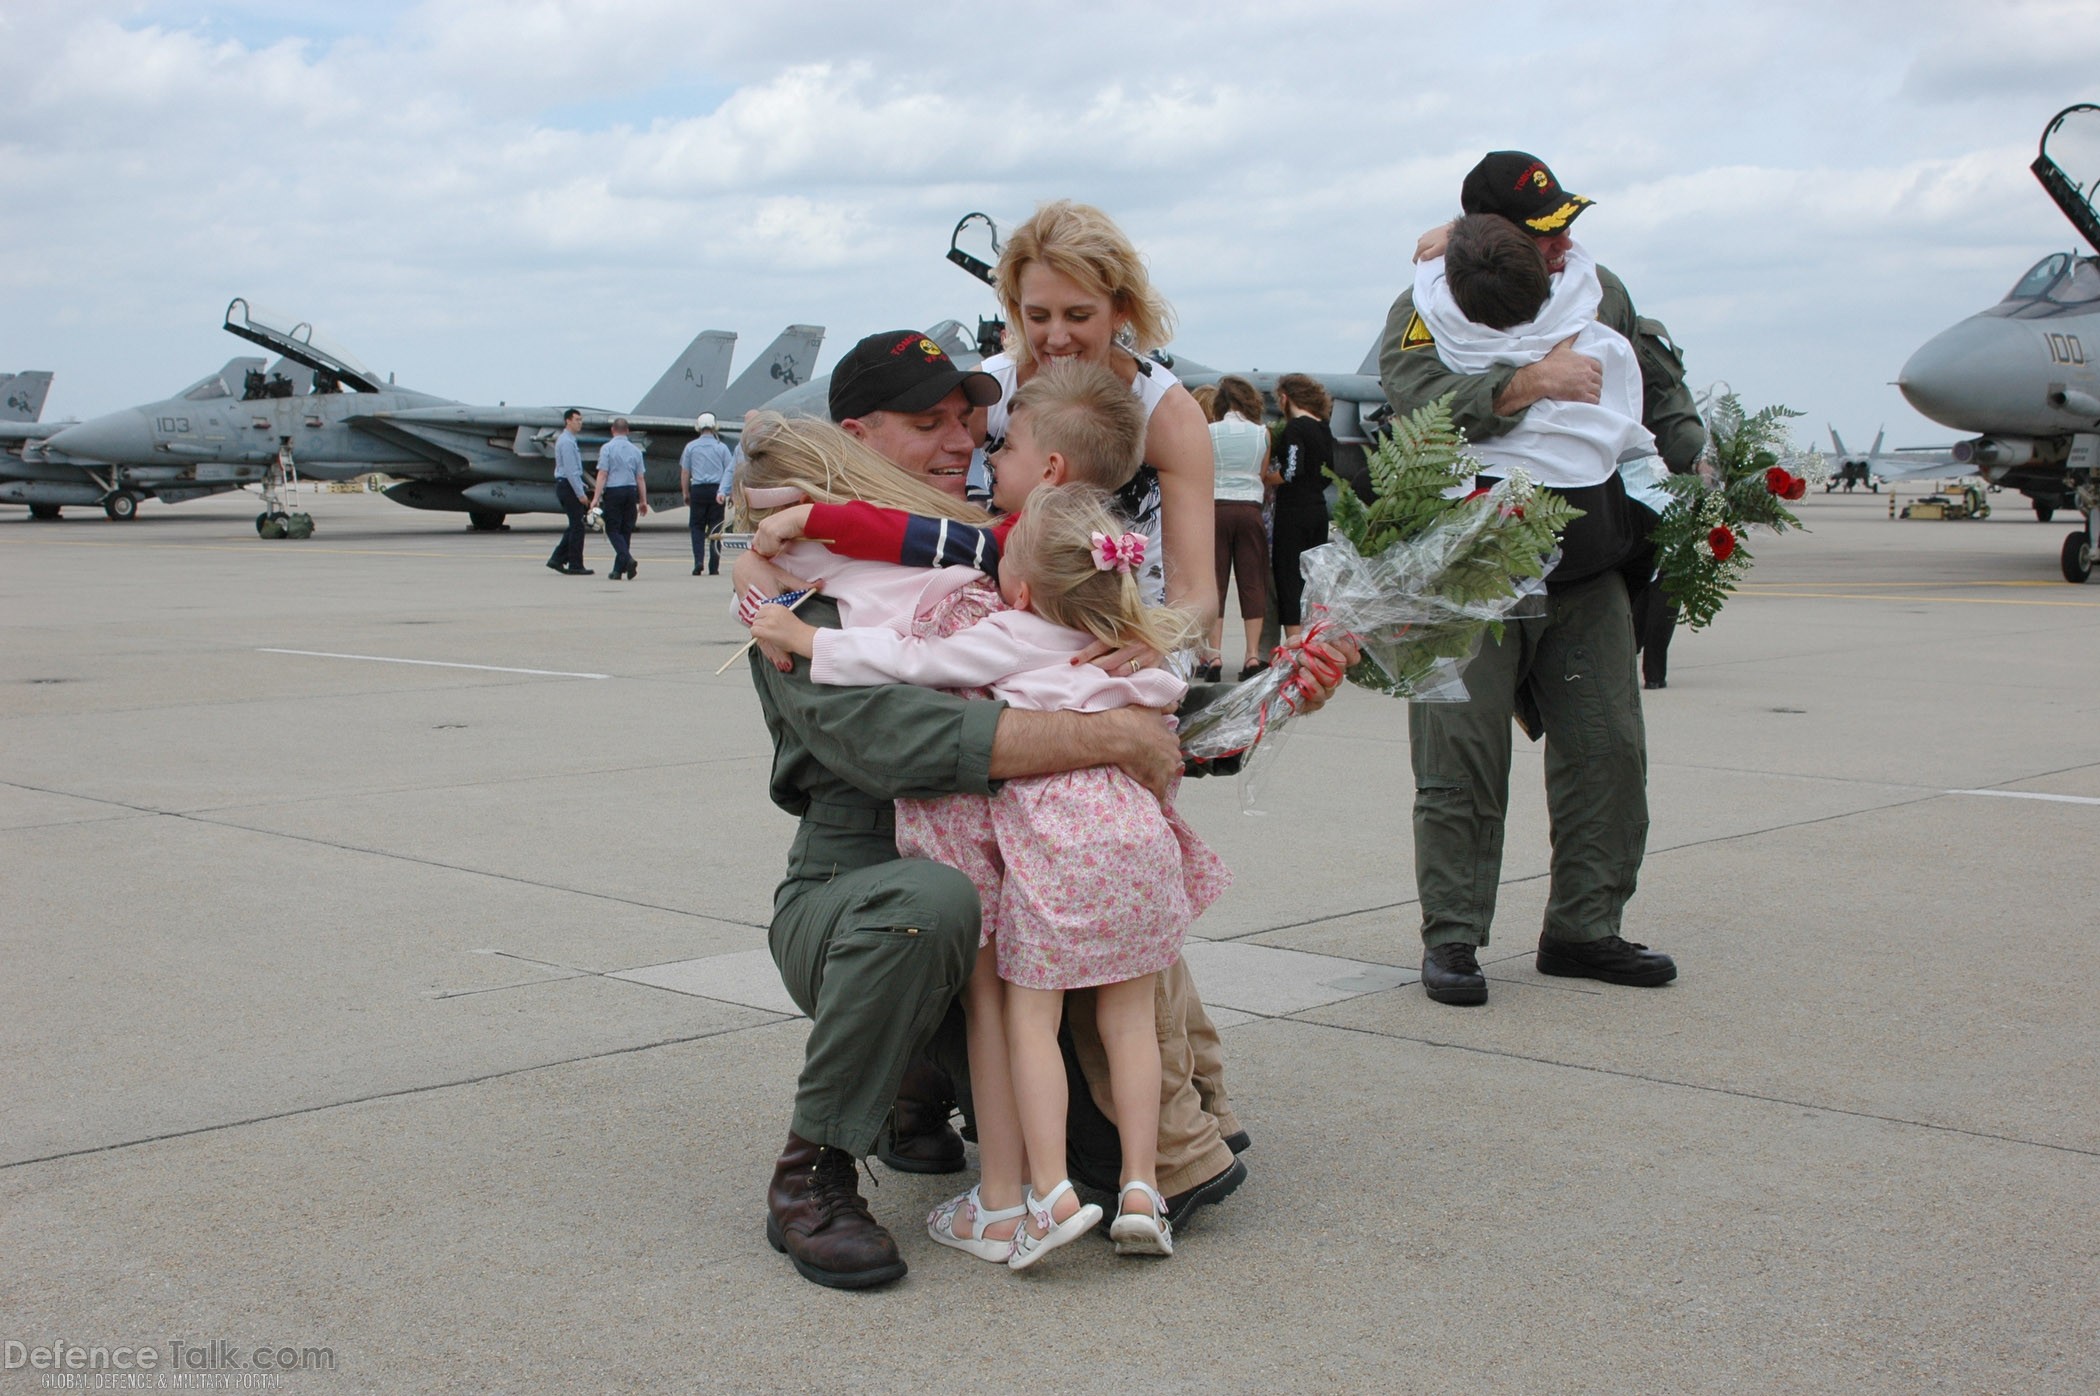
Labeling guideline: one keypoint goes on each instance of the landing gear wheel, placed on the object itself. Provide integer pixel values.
(46, 512)
(123, 505)
(485, 520)
(2078, 557)
(2045, 512)
(260, 520)
(274, 525)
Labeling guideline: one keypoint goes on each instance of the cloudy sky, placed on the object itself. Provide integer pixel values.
(541, 202)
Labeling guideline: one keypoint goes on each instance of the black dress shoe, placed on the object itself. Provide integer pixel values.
(1182, 1205)
(1656, 683)
(1451, 974)
(579, 571)
(633, 568)
(696, 571)
(557, 567)
(1610, 959)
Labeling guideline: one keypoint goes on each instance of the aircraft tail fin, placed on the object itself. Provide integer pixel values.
(1369, 367)
(785, 364)
(693, 382)
(22, 395)
(1838, 442)
(1875, 449)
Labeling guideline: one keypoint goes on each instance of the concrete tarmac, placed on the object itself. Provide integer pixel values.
(385, 976)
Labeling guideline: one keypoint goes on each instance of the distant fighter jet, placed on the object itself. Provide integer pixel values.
(321, 412)
(1875, 467)
(2020, 374)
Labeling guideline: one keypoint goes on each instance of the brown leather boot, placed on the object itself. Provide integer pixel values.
(816, 1216)
(918, 1137)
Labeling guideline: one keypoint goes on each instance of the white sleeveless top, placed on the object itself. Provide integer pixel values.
(1236, 446)
(1140, 498)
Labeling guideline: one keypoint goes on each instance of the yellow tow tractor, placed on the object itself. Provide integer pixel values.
(1964, 502)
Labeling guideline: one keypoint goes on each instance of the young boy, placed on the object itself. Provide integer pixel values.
(1072, 423)
(1490, 300)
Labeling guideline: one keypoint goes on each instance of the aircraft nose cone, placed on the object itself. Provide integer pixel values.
(122, 437)
(1974, 376)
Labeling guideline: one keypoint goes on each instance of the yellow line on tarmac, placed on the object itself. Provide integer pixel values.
(1749, 587)
(1938, 600)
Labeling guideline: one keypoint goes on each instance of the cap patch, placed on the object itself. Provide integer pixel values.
(922, 346)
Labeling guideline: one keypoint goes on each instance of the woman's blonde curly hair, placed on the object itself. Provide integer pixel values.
(1083, 243)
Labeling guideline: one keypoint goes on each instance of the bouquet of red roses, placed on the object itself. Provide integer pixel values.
(1699, 541)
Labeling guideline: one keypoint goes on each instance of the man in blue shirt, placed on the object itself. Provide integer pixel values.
(703, 469)
(623, 487)
(568, 488)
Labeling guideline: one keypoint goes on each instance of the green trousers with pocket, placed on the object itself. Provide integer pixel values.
(1574, 668)
(875, 950)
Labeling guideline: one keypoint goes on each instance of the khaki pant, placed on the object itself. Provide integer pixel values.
(1576, 664)
(1194, 1114)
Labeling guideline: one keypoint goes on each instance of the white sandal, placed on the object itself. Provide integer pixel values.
(1142, 1233)
(1029, 1247)
(940, 1225)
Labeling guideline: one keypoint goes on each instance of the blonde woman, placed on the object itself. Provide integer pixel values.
(1073, 287)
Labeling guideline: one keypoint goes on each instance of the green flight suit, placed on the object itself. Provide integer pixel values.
(1571, 673)
(873, 947)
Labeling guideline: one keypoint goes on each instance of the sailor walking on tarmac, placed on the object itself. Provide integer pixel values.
(622, 488)
(568, 489)
(703, 470)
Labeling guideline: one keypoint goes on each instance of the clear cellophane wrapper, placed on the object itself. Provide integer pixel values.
(1416, 639)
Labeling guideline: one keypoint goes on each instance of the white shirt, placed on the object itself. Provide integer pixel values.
(1567, 445)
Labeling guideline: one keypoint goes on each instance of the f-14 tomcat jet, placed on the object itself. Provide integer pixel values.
(320, 411)
(32, 473)
(2024, 375)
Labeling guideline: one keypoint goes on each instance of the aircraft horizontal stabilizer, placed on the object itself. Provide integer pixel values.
(694, 381)
(786, 363)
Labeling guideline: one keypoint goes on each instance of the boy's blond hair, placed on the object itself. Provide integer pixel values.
(831, 467)
(1085, 414)
(1052, 549)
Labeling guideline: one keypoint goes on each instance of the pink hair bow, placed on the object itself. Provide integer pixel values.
(1125, 554)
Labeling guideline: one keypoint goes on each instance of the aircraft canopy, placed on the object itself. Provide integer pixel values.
(2059, 284)
(296, 340)
(2069, 166)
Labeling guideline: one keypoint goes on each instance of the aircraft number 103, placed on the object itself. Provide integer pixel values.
(181, 424)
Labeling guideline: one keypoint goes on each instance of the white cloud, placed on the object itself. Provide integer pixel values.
(543, 201)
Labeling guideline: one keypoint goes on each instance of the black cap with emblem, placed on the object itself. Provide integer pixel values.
(902, 371)
(1520, 188)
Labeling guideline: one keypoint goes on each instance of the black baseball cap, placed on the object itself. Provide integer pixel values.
(1520, 188)
(902, 371)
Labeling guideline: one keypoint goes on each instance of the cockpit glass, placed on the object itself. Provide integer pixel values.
(2081, 287)
(2040, 277)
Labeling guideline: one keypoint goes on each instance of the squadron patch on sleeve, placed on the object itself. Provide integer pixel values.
(1416, 335)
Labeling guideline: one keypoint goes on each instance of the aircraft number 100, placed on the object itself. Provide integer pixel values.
(2065, 349)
